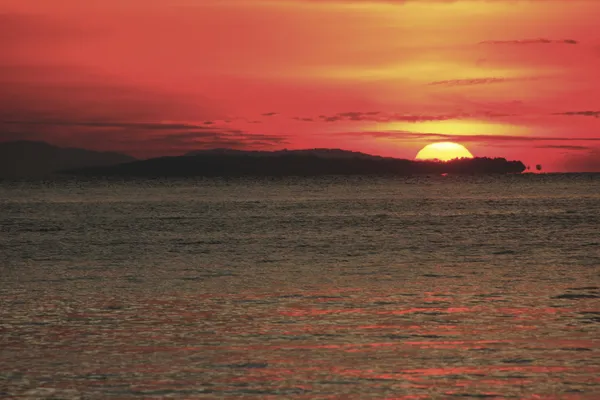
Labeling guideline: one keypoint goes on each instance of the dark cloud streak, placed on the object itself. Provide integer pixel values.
(478, 81)
(99, 124)
(530, 41)
(595, 114)
(409, 136)
(563, 147)
(381, 117)
(375, 116)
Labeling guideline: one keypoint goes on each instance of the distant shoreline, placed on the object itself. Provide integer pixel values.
(39, 160)
(318, 162)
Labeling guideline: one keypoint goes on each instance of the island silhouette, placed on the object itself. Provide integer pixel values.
(30, 159)
(309, 162)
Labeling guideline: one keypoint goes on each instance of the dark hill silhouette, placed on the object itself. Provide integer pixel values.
(319, 152)
(26, 159)
(225, 162)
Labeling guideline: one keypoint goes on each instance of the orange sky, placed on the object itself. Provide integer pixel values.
(511, 78)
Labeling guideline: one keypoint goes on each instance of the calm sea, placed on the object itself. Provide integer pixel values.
(330, 288)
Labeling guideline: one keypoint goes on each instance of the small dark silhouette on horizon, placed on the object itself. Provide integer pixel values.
(310, 162)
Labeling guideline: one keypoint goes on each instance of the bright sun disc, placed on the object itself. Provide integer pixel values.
(443, 151)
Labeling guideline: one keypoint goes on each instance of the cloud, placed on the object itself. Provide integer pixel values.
(76, 106)
(411, 136)
(531, 41)
(382, 117)
(180, 147)
(478, 81)
(377, 116)
(563, 147)
(109, 124)
(83, 109)
(136, 139)
(270, 114)
(580, 113)
(466, 82)
(216, 138)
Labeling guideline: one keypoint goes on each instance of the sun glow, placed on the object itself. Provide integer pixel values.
(443, 151)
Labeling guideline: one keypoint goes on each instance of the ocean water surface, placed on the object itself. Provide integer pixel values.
(328, 288)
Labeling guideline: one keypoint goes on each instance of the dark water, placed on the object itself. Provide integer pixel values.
(365, 288)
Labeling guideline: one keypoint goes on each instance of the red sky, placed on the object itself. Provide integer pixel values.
(512, 78)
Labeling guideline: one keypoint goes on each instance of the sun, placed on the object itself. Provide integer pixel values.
(443, 151)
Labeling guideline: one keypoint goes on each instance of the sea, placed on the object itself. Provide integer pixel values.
(430, 287)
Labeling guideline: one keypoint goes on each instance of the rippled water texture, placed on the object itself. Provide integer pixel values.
(326, 288)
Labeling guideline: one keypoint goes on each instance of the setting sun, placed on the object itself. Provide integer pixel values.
(443, 151)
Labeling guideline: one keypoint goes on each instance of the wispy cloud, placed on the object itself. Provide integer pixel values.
(377, 116)
(217, 138)
(563, 147)
(479, 81)
(411, 136)
(383, 117)
(107, 124)
(581, 113)
(531, 41)
(142, 139)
